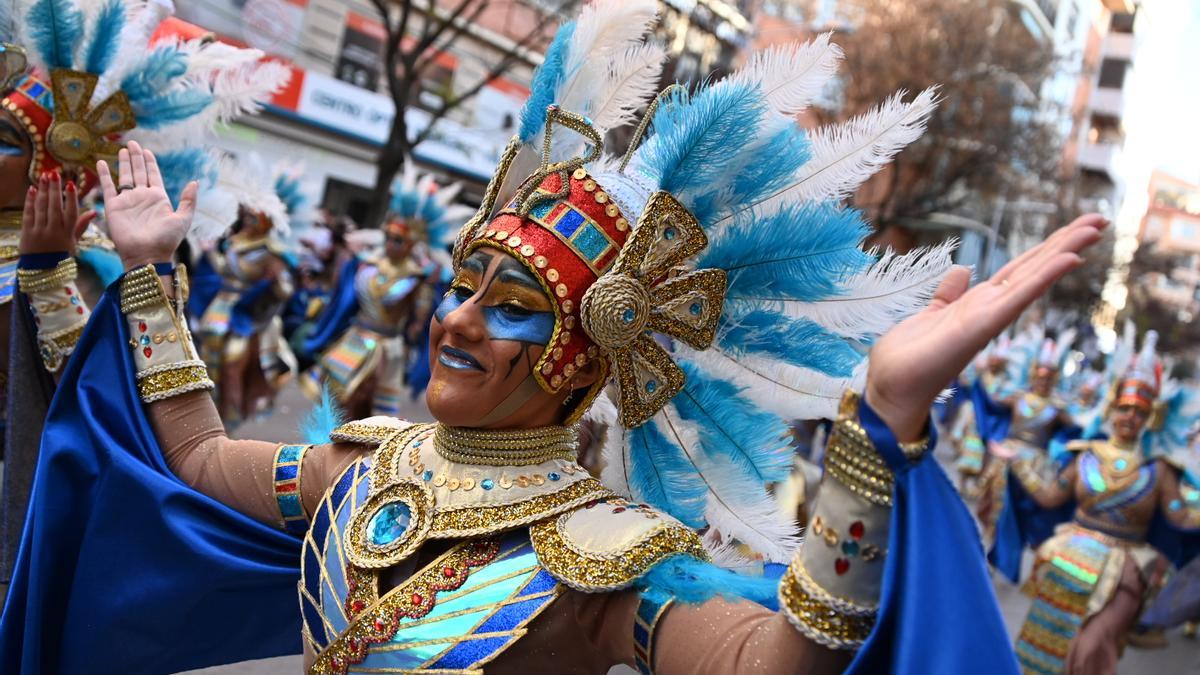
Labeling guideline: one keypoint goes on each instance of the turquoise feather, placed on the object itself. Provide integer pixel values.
(56, 28)
(692, 581)
(326, 416)
(180, 167)
(154, 74)
(167, 109)
(546, 83)
(106, 37)
(776, 336)
(661, 475)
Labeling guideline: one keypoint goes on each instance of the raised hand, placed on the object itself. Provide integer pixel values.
(51, 222)
(914, 361)
(141, 221)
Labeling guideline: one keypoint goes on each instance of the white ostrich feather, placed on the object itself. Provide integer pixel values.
(791, 392)
(216, 211)
(207, 58)
(248, 183)
(614, 450)
(607, 27)
(631, 80)
(889, 291)
(734, 506)
(792, 75)
(849, 153)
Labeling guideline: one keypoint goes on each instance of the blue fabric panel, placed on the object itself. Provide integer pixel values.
(465, 654)
(591, 242)
(933, 585)
(569, 222)
(41, 261)
(135, 571)
(540, 584)
(286, 472)
(510, 616)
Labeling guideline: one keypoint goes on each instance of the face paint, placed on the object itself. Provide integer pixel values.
(7, 150)
(11, 144)
(505, 320)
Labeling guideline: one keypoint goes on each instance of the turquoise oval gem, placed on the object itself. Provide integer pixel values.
(389, 523)
(428, 475)
(1120, 464)
(628, 315)
(486, 484)
(651, 386)
(145, 339)
(695, 309)
(553, 476)
(669, 233)
(850, 547)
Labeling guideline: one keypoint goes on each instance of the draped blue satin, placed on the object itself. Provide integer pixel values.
(937, 610)
(122, 567)
(242, 316)
(991, 419)
(338, 314)
(1022, 523)
(203, 283)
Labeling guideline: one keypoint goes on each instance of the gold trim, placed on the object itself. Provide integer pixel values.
(594, 574)
(173, 382)
(820, 616)
(506, 447)
(364, 434)
(474, 520)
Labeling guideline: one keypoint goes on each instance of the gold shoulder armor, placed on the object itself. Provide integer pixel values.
(609, 544)
(371, 431)
(1078, 445)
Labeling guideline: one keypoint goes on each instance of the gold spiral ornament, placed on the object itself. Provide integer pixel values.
(615, 310)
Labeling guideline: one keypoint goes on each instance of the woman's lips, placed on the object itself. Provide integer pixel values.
(458, 359)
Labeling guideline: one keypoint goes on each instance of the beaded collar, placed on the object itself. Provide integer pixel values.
(511, 447)
(446, 499)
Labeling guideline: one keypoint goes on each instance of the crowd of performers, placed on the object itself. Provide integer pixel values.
(613, 346)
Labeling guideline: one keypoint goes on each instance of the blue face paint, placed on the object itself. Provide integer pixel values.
(7, 150)
(503, 323)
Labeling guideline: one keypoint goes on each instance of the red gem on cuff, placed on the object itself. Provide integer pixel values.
(67, 289)
(147, 351)
(142, 326)
(857, 530)
(841, 566)
(416, 598)
(79, 310)
(448, 572)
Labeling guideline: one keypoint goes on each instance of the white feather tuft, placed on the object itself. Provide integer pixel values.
(889, 291)
(605, 28)
(614, 448)
(792, 75)
(631, 80)
(247, 182)
(143, 19)
(849, 153)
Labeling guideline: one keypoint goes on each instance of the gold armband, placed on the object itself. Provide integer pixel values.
(33, 281)
(59, 311)
(166, 360)
(830, 621)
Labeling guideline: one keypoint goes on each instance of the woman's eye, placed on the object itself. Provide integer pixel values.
(462, 292)
(514, 309)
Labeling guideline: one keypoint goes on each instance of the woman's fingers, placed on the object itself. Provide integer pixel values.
(70, 210)
(54, 207)
(153, 174)
(27, 214)
(1041, 252)
(81, 225)
(106, 181)
(138, 161)
(124, 169)
(41, 204)
(187, 202)
(953, 286)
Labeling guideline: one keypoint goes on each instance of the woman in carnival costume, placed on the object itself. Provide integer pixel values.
(383, 302)
(705, 277)
(1097, 573)
(1022, 426)
(240, 326)
(989, 375)
(83, 82)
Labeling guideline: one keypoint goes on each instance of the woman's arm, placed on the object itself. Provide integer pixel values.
(273, 483)
(1047, 494)
(1176, 509)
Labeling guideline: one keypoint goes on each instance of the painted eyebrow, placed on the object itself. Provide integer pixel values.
(512, 271)
(8, 126)
(478, 262)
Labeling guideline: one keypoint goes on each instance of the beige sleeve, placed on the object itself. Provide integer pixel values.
(239, 473)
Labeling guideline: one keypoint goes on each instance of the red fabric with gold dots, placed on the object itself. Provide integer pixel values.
(568, 243)
(29, 101)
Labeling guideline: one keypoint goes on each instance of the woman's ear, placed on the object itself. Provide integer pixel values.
(586, 376)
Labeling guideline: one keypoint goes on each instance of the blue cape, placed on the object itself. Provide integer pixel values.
(937, 610)
(203, 283)
(991, 419)
(338, 314)
(122, 567)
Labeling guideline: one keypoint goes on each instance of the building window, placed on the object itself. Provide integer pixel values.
(1105, 129)
(1122, 23)
(1112, 73)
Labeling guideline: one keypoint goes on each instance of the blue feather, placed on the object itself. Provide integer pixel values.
(291, 193)
(404, 203)
(694, 138)
(180, 167)
(106, 37)
(106, 264)
(800, 253)
(150, 78)
(662, 475)
(326, 416)
(732, 426)
(7, 28)
(690, 580)
(546, 83)
(766, 167)
(775, 336)
(56, 27)
(167, 109)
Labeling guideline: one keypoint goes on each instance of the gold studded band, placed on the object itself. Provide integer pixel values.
(852, 460)
(822, 617)
(517, 447)
(173, 379)
(140, 289)
(33, 281)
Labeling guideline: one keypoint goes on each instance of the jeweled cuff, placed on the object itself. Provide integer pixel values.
(652, 605)
(288, 466)
(831, 590)
(165, 359)
(59, 311)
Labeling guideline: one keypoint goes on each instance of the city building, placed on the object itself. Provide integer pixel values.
(1171, 228)
(335, 114)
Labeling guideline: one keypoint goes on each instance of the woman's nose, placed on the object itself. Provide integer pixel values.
(466, 322)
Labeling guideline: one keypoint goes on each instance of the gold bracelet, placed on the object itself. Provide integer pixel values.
(32, 281)
(141, 288)
(822, 617)
(173, 379)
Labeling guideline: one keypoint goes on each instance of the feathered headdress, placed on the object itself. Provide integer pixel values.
(710, 269)
(96, 82)
(422, 208)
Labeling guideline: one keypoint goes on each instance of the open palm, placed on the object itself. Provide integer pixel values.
(141, 221)
(914, 361)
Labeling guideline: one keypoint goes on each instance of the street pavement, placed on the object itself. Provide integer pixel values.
(1181, 657)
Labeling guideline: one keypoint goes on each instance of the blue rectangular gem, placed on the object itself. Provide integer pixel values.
(591, 242)
(290, 453)
(286, 472)
(641, 636)
(289, 506)
(35, 89)
(569, 222)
